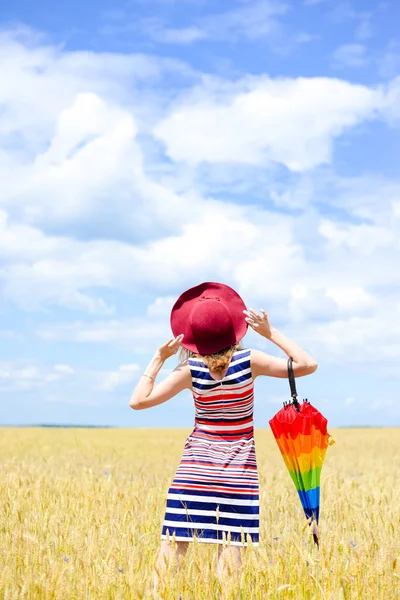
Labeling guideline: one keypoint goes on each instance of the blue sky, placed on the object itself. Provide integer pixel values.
(146, 147)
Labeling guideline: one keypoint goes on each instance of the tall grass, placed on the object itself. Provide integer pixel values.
(82, 510)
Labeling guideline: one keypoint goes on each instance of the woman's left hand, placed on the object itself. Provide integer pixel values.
(258, 323)
(170, 348)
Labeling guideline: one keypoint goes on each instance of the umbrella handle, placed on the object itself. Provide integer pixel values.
(292, 383)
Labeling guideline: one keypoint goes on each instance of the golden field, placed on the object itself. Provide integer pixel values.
(82, 510)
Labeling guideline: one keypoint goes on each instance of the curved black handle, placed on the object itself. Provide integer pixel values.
(292, 383)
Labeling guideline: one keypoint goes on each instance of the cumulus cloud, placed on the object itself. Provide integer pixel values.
(270, 264)
(25, 376)
(69, 157)
(109, 381)
(28, 376)
(42, 80)
(88, 152)
(139, 334)
(245, 20)
(289, 121)
(370, 341)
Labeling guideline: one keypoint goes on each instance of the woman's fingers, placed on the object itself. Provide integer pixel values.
(175, 341)
(250, 313)
(172, 342)
(254, 314)
(254, 319)
(251, 318)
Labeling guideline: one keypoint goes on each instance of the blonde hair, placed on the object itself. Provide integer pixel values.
(215, 362)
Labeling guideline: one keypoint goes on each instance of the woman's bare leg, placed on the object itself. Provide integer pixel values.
(229, 563)
(166, 553)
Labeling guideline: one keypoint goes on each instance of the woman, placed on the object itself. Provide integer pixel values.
(214, 494)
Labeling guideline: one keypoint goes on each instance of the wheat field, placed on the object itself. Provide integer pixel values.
(82, 510)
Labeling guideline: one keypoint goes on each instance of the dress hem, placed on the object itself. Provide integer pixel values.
(208, 540)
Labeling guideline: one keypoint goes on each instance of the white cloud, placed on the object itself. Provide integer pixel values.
(41, 269)
(25, 376)
(247, 20)
(325, 281)
(350, 55)
(369, 198)
(109, 381)
(288, 121)
(69, 158)
(331, 282)
(42, 80)
(369, 341)
(252, 20)
(161, 307)
(170, 35)
(141, 335)
(366, 238)
(49, 269)
(90, 173)
(92, 143)
(61, 382)
(352, 298)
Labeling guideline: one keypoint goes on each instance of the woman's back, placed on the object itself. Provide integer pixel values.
(224, 407)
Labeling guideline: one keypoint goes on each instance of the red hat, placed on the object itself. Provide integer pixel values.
(210, 316)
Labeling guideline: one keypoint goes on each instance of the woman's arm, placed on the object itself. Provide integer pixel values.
(145, 395)
(265, 364)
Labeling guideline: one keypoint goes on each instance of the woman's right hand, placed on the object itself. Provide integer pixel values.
(169, 348)
(259, 323)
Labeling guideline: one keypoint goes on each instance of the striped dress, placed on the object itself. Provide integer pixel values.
(214, 495)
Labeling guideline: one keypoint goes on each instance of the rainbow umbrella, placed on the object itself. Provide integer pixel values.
(302, 437)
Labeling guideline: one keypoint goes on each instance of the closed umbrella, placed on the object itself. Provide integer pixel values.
(302, 437)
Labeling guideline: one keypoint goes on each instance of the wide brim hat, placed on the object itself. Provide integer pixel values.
(210, 315)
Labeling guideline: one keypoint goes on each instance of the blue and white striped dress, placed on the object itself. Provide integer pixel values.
(214, 495)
